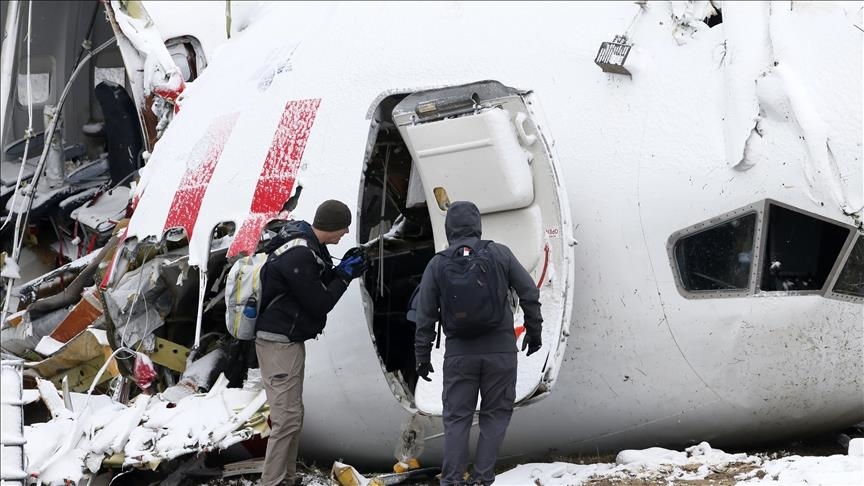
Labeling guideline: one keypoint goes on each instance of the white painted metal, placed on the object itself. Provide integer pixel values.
(640, 157)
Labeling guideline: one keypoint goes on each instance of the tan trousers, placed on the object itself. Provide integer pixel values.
(282, 367)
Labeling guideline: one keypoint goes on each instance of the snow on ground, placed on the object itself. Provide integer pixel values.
(700, 462)
(697, 465)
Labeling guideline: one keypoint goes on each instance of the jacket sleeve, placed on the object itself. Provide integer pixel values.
(301, 272)
(427, 314)
(526, 289)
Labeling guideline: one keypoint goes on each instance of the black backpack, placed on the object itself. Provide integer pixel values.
(472, 296)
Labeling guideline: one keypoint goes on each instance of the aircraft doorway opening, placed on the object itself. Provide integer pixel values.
(479, 142)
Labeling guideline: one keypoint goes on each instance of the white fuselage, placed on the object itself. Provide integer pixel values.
(640, 157)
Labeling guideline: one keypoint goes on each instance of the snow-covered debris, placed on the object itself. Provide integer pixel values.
(147, 432)
(699, 462)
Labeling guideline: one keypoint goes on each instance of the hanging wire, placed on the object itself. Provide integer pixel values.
(16, 247)
(22, 216)
(381, 222)
(641, 5)
(227, 19)
(28, 133)
(202, 290)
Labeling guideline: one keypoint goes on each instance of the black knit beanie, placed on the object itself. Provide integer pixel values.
(332, 215)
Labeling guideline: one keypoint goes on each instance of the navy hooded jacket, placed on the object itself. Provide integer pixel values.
(462, 226)
(304, 274)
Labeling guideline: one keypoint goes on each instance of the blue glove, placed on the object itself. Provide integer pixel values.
(351, 267)
(357, 250)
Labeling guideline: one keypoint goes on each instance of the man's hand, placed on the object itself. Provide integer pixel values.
(532, 343)
(423, 370)
(356, 251)
(353, 264)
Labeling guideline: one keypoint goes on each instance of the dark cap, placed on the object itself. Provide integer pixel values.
(332, 215)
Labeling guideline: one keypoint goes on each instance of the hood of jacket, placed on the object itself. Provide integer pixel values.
(298, 229)
(462, 222)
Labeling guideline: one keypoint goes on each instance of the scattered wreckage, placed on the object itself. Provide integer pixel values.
(157, 399)
(137, 333)
(100, 363)
(113, 372)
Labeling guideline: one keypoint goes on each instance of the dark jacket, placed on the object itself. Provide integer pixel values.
(462, 226)
(305, 275)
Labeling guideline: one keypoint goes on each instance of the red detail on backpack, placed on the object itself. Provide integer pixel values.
(187, 200)
(276, 182)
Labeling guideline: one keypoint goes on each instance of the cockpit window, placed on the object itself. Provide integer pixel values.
(719, 257)
(851, 279)
(800, 250)
(187, 54)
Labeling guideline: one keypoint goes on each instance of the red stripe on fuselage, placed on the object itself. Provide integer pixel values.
(199, 169)
(276, 181)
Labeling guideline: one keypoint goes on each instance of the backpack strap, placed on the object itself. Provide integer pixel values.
(287, 246)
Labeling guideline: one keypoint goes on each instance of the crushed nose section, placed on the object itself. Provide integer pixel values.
(483, 143)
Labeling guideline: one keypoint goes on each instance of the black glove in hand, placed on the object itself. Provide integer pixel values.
(423, 370)
(532, 343)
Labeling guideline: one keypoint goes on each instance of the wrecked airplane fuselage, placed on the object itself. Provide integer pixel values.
(681, 300)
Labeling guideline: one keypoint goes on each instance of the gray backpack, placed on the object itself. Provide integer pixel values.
(243, 291)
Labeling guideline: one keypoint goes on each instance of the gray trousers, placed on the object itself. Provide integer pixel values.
(493, 375)
(282, 367)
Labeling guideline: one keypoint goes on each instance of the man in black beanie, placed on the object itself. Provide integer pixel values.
(299, 286)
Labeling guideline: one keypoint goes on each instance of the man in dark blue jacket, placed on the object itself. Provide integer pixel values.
(299, 286)
(485, 363)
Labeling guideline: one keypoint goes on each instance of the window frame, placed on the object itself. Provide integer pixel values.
(39, 64)
(197, 51)
(762, 210)
(831, 281)
(835, 269)
(755, 208)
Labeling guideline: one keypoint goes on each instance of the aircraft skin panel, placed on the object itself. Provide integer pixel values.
(160, 182)
(640, 157)
(278, 174)
(188, 198)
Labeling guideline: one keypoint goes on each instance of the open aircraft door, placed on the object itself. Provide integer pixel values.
(484, 143)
